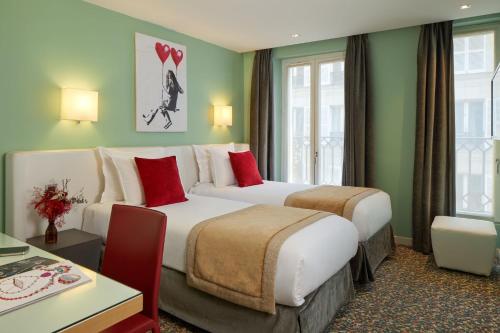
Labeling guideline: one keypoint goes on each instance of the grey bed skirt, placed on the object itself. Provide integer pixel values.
(217, 315)
(371, 253)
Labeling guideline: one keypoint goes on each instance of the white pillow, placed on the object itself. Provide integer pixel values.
(113, 187)
(203, 160)
(222, 171)
(133, 192)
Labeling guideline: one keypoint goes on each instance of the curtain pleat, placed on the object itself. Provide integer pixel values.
(358, 147)
(262, 113)
(434, 165)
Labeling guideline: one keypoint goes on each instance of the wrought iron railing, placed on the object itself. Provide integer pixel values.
(474, 175)
(330, 159)
(301, 160)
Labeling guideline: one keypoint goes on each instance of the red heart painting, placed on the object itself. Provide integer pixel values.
(163, 51)
(177, 56)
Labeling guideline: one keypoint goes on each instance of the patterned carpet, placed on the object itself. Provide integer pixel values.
(411, 294)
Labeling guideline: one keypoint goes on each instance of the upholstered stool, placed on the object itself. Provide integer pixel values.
(464, 244)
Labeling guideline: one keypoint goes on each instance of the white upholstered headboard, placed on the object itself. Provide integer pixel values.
(27, 169)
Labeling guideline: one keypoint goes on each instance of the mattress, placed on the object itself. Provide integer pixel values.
(306, 259)
(370, 214)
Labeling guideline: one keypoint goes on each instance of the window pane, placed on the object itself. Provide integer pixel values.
(299, 148)
(497, 113)
(459, 62)
(459, 44)
(331, 129)
(307, 76)
(476, 43)
(476, 113)
(474, 153)
(459, 118)
(476, 61)
(326, 74)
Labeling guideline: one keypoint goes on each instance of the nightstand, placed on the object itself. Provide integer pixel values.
(78, 246)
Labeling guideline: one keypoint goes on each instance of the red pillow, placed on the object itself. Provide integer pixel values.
(245, 168)
(160, 181)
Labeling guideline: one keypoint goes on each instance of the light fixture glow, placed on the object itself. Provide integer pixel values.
(223, 115)
(79, 105)
(465, 7)
(295, 35)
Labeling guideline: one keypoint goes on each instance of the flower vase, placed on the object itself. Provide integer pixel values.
(51, 233)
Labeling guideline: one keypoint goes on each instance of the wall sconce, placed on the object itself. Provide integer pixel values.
(79, 105)
(223, 115)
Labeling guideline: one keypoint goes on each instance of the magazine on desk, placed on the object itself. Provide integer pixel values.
(24, 265)
(29, 286)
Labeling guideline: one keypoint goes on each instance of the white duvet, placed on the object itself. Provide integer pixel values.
(306, 259)
(369, 215)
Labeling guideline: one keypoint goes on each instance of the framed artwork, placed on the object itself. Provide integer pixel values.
(161, 85)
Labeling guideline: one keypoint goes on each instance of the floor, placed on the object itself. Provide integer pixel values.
(411, 294)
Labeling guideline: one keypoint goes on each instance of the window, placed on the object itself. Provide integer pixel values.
(470, 118)
(474, 148)
(300, 77)
(313, 136)
(473, 53)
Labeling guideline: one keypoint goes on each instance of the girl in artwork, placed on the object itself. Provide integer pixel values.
(172, 89)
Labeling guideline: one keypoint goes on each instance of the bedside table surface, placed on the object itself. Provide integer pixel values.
(65, 238)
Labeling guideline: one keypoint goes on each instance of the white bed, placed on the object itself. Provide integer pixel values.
(306, 260)
(370, 214)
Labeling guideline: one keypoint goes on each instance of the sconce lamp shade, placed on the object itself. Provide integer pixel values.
(79, 105)
(223, 115)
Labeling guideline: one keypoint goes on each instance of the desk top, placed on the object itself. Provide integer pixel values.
(65, 309)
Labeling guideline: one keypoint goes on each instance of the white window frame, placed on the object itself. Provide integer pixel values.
(314, 62)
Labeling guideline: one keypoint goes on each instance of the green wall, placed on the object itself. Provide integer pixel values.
(393, 74)
(45, 45)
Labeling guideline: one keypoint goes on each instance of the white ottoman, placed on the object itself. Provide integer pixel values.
(464, 244)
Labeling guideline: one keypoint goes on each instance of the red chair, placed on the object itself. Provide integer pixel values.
(133, 255)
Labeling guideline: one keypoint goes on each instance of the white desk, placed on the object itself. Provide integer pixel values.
(90, 307)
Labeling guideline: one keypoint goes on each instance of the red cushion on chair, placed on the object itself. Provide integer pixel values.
(245, 168)
(160, 180)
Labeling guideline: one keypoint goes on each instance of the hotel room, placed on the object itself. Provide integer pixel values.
(263, 166)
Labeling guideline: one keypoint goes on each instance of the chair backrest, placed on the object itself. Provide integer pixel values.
(134, 251)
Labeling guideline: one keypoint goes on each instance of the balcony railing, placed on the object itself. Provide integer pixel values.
(330, 159)
(301, 160)
(474, 168)
(474, 174)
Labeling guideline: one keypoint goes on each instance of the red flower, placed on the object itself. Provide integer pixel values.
(52, 203)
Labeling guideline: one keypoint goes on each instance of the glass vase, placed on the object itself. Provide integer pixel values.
(51, 233)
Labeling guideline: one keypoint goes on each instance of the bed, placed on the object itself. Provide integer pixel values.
(371, 216)
(313, 278)
(307, 260)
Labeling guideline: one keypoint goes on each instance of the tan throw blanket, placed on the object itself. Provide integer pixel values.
(234, 256)
(340, 200)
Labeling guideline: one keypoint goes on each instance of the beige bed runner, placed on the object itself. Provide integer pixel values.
(340, 200)
(234, 256)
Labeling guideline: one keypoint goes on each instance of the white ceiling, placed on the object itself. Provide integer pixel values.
(256, 24)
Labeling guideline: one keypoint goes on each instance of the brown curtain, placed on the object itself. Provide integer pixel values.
(261, 113)
(434, 166)
(357, 128)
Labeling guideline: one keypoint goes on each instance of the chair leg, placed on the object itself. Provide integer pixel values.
(156, 328)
